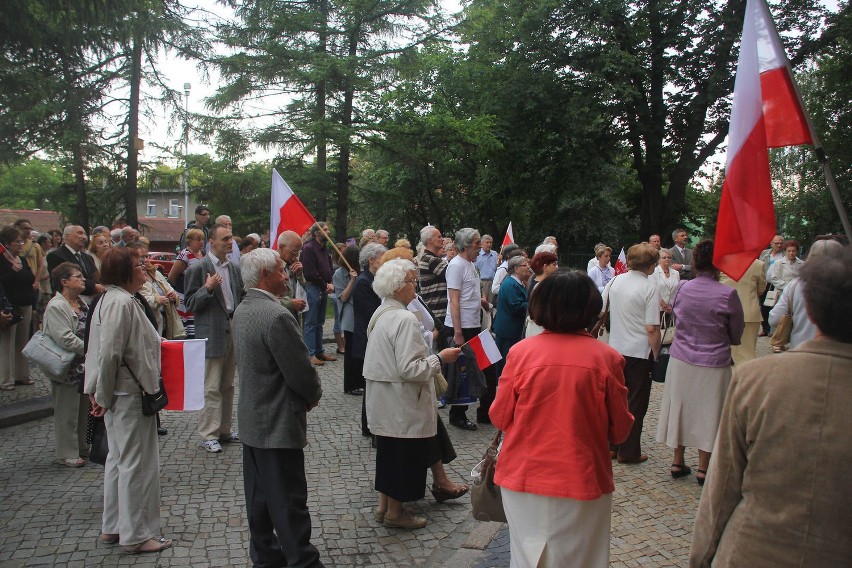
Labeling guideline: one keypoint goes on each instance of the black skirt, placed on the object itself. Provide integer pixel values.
(401, 465)
(353, 369)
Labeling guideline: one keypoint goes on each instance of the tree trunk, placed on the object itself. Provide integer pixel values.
(321, 140)
(133, 133)
(73, 141)
(343, 165)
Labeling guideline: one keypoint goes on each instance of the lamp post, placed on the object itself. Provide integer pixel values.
(186, 87)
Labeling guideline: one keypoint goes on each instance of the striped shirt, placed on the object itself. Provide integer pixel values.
(433, 283)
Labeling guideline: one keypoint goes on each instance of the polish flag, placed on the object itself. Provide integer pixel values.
(183, 373)
(767, 113)
(510, 236)
(485, 349)
(288, 213)
(621, 263)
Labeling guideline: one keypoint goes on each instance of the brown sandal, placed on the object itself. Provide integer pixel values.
(150, 545)
(440, 494)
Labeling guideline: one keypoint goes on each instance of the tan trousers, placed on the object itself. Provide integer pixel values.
(747, 349)
(14, 367)
(215, 419)
(69, 420)
(131, 473)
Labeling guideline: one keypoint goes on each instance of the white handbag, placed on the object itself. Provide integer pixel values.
(52, 359)
(771, 298)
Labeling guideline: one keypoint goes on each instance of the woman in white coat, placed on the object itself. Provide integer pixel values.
(122, 360)
(401, 403)
(64, 324)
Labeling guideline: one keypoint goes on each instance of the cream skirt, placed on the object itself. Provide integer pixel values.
(552, 532)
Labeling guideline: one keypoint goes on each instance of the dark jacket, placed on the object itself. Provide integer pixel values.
(511, 310)
(364, 303)
(18, 285)
(62, 254)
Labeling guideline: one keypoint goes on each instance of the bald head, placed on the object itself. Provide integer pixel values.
(289, 246)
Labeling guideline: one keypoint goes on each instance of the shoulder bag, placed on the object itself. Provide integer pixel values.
(771, 297)
(485, 496)
(51, 358)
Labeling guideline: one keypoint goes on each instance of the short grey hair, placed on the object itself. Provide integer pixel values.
(677, 231)
(514, 262)
(115, 234)
(465, 237)
(221, 219)
(545, 247)
(824, 247)
(370, 252)
(487, 238)
(426, 233)
(253, 262)
(126, 231)
(67, 230)
(382, 233)
(391, 277)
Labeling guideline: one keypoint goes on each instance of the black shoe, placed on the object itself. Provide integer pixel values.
(483, 420)
(356, 392)
(162, 431)
(463, 423)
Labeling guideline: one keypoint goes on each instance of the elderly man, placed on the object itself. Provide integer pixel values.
(382, 237)
(433, 283)
(128, 235)
(74, 250)
(234, 255)
(462, 322)
(656, 242)
(769, 257)
(279, 386)
(316, 267)
(214, 289)
(512, 307)
(202, 219)
(367, 236)
(486, 264)
(289, 249)
(681, 255)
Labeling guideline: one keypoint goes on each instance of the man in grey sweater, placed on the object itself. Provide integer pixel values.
(279, 385)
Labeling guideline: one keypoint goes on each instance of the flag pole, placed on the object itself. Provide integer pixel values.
(819, 151)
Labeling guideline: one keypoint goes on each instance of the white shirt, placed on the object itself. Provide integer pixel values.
(222, 270)
(499, 275)
(594, 262)
(462, 275)
(666, 286)
(634, 302)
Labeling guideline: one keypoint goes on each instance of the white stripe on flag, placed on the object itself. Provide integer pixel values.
(193, 370)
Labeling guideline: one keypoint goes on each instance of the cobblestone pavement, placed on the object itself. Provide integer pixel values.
(50, 514)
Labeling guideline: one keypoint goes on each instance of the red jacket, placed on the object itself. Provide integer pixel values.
(561, 401)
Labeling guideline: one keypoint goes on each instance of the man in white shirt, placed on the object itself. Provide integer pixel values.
(462, 322)
(234, 254)
(634, 308)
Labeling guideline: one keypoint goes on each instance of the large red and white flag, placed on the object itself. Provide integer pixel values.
(621, 263)
(767, 113)
(485, 349)
(287, 213)
(510, 236)
(182, 364)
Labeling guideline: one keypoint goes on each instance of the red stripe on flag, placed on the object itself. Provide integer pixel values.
(786, 124)
(294, 217)
(173, 373)
(746, 219)
(481, 358)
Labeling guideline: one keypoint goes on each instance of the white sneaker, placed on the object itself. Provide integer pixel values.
(212, 446)
(232, 437)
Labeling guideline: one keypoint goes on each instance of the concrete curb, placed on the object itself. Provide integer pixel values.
(473, 548)
(23, 411)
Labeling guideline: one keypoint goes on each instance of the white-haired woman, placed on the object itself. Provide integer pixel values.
(401, 402)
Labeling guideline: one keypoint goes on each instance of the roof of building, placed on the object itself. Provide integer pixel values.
(162, 229)
(42, 221)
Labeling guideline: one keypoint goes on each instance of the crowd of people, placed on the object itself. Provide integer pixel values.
(571, 392)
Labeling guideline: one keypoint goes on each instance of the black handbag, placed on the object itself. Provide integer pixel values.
(658, 371)
(100, 443)
(152, 403)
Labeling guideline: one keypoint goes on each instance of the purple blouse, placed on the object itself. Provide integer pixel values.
(709, 319)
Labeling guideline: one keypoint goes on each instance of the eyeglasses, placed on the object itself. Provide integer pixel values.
(778, 243)
(78, 275)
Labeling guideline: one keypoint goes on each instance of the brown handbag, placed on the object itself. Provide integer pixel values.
(485, 496)
(781, 335)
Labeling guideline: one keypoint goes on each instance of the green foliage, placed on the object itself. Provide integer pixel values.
(36, 184)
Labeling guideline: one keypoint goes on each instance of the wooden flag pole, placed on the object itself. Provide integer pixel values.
(340, 254)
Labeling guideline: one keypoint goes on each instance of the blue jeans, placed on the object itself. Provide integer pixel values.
(315, 318)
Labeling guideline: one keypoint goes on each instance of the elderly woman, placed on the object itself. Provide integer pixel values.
(561, 401)
(667, 281)
(98, 248)
(601, 273)
(344, 281)
(542, 264)
(793, 300)
(512, 306)
(364, 303)
(786, 269)
(634, 309)
(64, 323)
(401, 403)
(710, 320)
(158, 293)
(122, 361)
(17, 280)
(779, 491)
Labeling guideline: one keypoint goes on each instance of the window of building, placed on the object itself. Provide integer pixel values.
(152, 208)
(174, 208)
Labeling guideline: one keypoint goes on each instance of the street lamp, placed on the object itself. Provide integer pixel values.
(186, 87)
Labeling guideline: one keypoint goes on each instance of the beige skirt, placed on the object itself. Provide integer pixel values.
(552, 532)
(692, 405)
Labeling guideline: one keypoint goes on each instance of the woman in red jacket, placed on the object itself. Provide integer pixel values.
(561, 401)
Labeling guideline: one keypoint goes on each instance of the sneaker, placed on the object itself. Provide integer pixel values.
(212, 446)
(228, 438)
